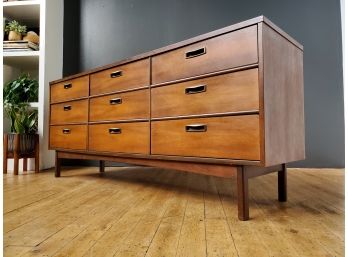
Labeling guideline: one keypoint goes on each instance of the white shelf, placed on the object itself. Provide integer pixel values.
(21, 53)
(34, 105)
(25, 12)
(23, 60)
(21, 3)
(45, 64)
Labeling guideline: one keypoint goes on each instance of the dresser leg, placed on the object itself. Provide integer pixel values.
(58, 166)
(243, 194)
(282, 184)
(101, 166)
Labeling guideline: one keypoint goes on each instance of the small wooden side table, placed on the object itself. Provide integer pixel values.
(21, 146)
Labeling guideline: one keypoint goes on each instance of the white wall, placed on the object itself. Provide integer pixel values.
(52, 64)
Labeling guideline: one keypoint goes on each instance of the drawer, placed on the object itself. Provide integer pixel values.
(131, 105)
(70, 89)
(232, 92)
(131, 137)
(223, 52)
(232, 137)
(70, 112)
(131, 75)
(69, 137)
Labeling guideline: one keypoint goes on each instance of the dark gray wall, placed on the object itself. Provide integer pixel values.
(104, 31)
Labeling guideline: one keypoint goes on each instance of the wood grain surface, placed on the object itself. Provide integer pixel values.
(233, 27)
(75, 139)
(158, 212)
(226, 51)
(232, 92)
(134, 137)
(68, 90)
(134, 74)
(235, 137)
(69, 112)
(283, 99)
(130, 105)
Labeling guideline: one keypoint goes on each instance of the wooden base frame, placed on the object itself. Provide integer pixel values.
(242, 172)
(16, 154)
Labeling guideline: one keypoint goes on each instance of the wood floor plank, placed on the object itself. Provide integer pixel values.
(30, 212)
(165, 241)
(326, 243)
(16, 203)
(335, 194)
(112, 242)
(192, 240)
(33, 233)
(99, 225)
(213, 207)
(139, 240)
(138, 211)
(243, 233)
(78, 231)
(14, 251)
(219, 240)
(314, 202)
(218, 235)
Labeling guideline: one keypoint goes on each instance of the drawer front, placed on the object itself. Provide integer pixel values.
(131, 75)
(69, 137)
(232, 137)
(131, 105)
(70, 112)
(226, 51)
(69, 90)
(230, 92)
(131, 137)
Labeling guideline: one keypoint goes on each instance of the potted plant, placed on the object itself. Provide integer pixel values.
(22, 142)
(15, 30)
(24, 89)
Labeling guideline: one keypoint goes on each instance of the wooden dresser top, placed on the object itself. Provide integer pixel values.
(214, 33)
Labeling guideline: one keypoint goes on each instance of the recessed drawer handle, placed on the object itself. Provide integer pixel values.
(196, 128)
(67, 86)
(195, 53)
(67, 107)
(115, 101)
(196, 89)
(116, 74)
(66, 131)
(115, 131)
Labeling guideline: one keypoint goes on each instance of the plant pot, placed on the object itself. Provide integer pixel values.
(27, 142)
(14, 36)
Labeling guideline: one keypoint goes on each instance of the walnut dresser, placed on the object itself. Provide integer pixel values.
(226, 103)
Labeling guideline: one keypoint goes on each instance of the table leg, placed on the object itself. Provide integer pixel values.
(282, 184)
(58, 166)
(101, 166)
(243, 194)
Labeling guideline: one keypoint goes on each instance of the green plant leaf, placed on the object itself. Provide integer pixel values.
(15, 26)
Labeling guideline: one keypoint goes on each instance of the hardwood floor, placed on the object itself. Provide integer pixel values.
(137, 211)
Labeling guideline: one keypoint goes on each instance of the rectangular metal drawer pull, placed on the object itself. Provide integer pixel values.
(67, 86)
(196, 128)
(195, 53)
(116, 74)
(115, 101)
(115, 131)
(195, 89)
(66, 131)
(67, 107)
